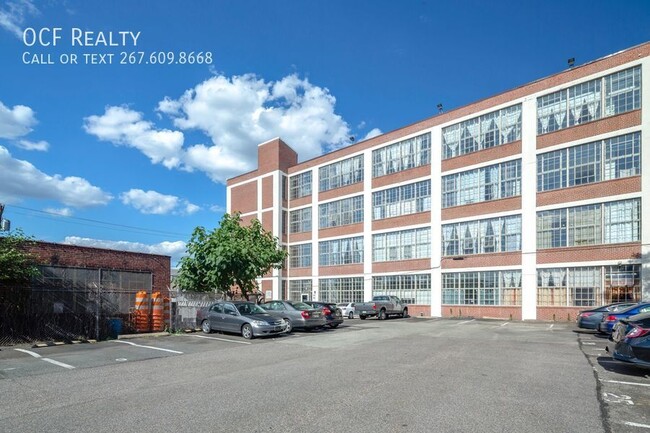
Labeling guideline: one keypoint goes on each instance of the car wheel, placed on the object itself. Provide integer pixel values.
(205, 327)
(289, 326)
(381, 315)
(247, 331)
(362, 317)
(351, 315)
(405, 312)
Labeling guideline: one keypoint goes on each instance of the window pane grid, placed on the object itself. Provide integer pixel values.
(341, 289)
(411, 289)
(410, 153)
(482, 288)
(483, 184)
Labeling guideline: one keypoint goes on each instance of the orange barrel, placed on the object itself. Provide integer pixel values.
(157, 321)
(167, 312)
(142, 312)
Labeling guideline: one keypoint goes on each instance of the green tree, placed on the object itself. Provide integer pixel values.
(16, 266)
(229, 256)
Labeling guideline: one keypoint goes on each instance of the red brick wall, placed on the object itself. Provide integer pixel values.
(96, 258)
(402, 265)
(590, 253)
(419, 310)
(482, 311)
(327, 271)
(484, 155)
(275, 155)
(340, 192)
(559, 314)
(402, 221)
(594, 190)
(244, 198)
(401, 176)
(350, 229)
(607, 124)
(474, 209)
(483, 260)
(267, 192)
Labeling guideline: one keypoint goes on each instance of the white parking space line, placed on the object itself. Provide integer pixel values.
(147, 347)
(221, 339)
(588, 344)
(635, 424)
(550, 327)
(504, 324)
(466, 321)
(51, 361)
(626, 383)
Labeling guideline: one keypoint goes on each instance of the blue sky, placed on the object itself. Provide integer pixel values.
(134, 156)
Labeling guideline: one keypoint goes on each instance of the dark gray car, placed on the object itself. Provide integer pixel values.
(297, 314)
(245, 318)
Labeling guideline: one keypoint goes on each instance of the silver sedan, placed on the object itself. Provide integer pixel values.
(245, 318)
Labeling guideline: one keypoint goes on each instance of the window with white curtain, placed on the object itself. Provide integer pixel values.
(623, 221)
(402, 200)
(300, 220)
(491, 235)
(583, 102)
(403, 155)
(483, 132)
(336, 290)
(572, 287)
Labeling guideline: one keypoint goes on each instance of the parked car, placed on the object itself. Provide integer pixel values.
(631, 339)
(296, 314)
(382, 306)
(244, 318)
(610, 319)
(347, 309)
(590, 319)
(332, 313)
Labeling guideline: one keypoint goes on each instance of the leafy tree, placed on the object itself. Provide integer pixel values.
(229, 256)
(16, 265)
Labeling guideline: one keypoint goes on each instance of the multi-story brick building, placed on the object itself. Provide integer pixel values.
(525, 205)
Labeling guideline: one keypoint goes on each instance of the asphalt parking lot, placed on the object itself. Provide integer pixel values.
(395, 375)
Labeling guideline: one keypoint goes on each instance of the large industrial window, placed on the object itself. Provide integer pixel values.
(341, 289)
(341, 212)
(410, 153)
(492, 129)
(402, 200)
(483, 236)
(340, 251)
(607, 223)
(300, 256)
(341, 173)
(300, 290)
(300, 220)
(584, 164)
(482, 184)
(586, 102)
(482, 288)
(300, 185)
(411, 289)
(402, 245)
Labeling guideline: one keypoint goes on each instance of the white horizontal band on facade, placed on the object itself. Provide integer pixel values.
(588, 264)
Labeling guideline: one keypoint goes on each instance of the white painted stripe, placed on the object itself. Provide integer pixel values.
(550, 327)
(635, 424)
(222, 339)
(51, 361)
(626, 383)
(588, 344)
(147, 347)
(60, 364)
(504, 324)
(29, 352)
(466, 321)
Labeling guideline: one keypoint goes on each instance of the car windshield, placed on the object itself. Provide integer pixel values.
(300, 306)
(250, 308)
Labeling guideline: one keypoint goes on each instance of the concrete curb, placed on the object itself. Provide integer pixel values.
(61, 343)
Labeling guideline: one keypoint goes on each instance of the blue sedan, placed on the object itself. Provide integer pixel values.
(609, 320)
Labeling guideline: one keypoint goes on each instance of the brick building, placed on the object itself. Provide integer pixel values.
(525, 205)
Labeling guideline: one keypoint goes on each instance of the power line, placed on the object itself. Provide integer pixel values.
(92, 222)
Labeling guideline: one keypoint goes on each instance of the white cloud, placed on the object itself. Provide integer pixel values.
(66, 211)
(16, 122)
(41, 146)
(152, 202)
(13, 14)
(19, 179)
(240, 112)
(123, 126)
(372, 133)
(174, 249)
(217, 208)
